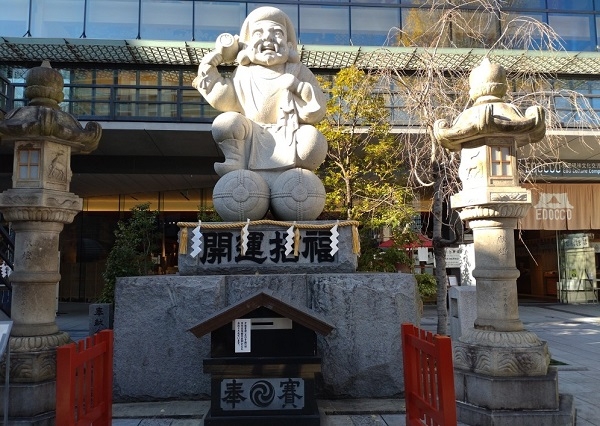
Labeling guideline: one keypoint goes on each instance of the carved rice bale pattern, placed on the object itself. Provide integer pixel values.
(47, 366)
(471, 360)
(484, 362)
(461, 358)
(21, 368)
(508, 365)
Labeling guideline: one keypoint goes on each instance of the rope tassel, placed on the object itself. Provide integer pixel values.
(355, 240)
(183, 240)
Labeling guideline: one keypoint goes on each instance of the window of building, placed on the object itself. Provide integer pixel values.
(367, 2)
(525, 4)
(417, 2)
(214, 18)
(371, 26)
(147, 78)
(57, 18)
(575, 30)
(500, 161)
(166, 20)
(14, 17)
(571, 5)
(192, 103)
(416, 23)
(170, 78)
(29, 164)
(104, 77)
(597, 33)
(89, 101)
(325, 25)
(485, 25)
(102, 21)
(520, 32)
(336, 22)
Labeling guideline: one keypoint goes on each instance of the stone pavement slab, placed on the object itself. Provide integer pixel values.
(348, 412)
(157, 422)
(362, 406)
(362, 412)
(161, 409)
(573, 335)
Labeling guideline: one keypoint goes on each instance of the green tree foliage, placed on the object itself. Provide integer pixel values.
(135, 239)
(362, 173)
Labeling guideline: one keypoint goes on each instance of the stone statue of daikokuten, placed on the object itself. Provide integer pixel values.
(266, 132)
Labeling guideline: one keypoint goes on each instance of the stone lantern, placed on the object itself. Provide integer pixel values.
(38, 205)
(501, 369)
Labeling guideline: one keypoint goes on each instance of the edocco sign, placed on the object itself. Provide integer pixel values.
(562, 206)
(553, 206)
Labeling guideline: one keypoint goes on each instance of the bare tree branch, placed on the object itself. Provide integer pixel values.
(437, 90)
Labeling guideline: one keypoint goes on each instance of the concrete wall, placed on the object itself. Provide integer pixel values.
(156, 357)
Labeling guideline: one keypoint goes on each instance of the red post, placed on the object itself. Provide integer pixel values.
(107, 336)
(84, 381)
(428, 378)
(65, 382)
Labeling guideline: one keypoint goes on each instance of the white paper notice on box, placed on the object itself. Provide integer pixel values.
(242, 335)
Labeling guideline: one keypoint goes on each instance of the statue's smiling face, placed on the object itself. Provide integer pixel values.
(268, 43)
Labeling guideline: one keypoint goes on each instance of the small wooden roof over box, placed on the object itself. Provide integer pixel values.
(265, 298)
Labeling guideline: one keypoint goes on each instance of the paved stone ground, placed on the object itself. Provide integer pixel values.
(363, 412)
(573, 336)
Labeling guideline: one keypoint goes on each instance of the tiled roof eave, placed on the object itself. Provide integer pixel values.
(187, 53)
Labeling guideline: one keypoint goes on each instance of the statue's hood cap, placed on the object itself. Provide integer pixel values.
(268, 13)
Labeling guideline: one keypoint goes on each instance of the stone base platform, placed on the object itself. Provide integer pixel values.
(31, 404)
(515, 401)
(157, 357)
(564, 416)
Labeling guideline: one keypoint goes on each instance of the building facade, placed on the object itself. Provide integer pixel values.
(129, 64)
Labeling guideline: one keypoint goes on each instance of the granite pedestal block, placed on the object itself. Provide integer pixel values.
(508, 401)
(30, 404)
(157, 357)
(506, 393)
(563, 416)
